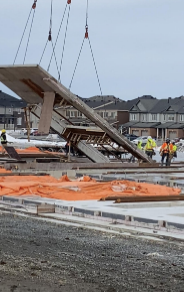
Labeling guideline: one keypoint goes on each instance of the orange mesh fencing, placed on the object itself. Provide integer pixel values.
(82, 189)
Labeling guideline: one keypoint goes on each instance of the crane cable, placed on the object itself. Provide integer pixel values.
(53, 52)
(59, 77)
(49, 39)
(86, 37)
(32, 7)
(76, 64)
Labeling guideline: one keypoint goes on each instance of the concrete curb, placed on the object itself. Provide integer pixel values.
(37, 208)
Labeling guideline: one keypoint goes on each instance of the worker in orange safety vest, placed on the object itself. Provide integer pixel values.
(166, 151)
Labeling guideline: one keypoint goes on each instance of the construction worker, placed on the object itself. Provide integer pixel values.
(149, 148)
(166, 151)
(139, 145)
(174, 149)
(3, 140)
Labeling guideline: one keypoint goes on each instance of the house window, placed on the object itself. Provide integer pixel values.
(19, 121)
(72, 114)
(154, 117)
(144, 117)
(133, 117)
(164, 117)
(67, 113)
(113, 114)
(9, 110)
(181, 118)
(105, 114)
(170, 117)
(79, 114)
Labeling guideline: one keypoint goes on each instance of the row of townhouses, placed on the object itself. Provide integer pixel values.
(142, 116)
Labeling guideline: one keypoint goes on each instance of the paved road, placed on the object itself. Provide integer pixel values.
(40, 256)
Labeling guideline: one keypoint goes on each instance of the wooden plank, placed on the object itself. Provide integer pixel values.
(46, 113)
(12, 153)
(144, 199)
(43, 208)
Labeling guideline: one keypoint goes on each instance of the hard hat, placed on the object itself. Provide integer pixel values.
(149, 137)
(3, 131)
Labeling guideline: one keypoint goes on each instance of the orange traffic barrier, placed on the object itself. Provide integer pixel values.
(81, 189)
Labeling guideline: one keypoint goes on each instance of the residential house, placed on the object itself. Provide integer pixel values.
(103, 105)
(11, 112)
(157, 118)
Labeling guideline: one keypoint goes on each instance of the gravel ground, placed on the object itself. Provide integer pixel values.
(41, 256)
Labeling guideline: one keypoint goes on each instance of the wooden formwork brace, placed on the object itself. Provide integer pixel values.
(27, 118)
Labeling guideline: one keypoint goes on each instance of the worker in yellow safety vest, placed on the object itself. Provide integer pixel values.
(149, 148)
(174, 151)
(139, 145)
(3, 141)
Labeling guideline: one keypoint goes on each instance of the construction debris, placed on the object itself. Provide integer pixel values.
(36, 86)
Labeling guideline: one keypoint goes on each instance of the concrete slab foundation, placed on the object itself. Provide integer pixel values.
(160, 218)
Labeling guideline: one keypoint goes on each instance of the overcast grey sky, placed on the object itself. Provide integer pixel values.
(138, 45)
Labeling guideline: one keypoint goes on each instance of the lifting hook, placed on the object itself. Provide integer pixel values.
(34, 4)
(86, 33)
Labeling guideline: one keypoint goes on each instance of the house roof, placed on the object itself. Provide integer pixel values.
(128, 124)
(148, 103)
(165, 125)
(7, 100)
(176, 126)
(145, 125)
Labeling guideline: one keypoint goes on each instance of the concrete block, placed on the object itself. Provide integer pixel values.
(71, 174)
(56, 173)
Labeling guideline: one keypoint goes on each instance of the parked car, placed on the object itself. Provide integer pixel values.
(144, 140)
(32, 131)
(177, 140)
(131, 137)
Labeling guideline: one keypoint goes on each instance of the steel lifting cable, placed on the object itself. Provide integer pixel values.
(55, 56)
(53, 52)
(49, 39)
(87, 37)
(50, 34)
(76, 63)
(59, 77)
(43, 51)
(34, 8)
(95, 66)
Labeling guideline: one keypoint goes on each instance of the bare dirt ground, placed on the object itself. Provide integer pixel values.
(41, 256)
